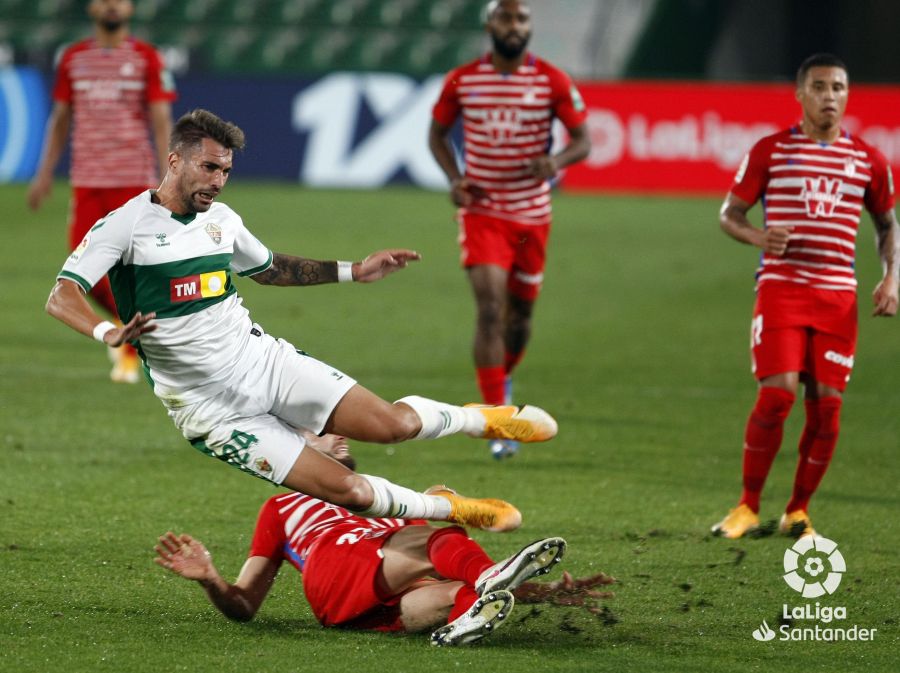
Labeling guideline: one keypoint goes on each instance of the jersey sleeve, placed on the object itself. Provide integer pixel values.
(108, 241)
(268, 537)
(447, 109)
(753, 174)
(250, 255)
(880, 193)
(62, 83)
(160, 83)
(568, 105)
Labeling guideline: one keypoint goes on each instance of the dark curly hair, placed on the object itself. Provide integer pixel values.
(190, 130)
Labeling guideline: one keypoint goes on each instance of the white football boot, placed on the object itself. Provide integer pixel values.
(533, 560)
(482, 619)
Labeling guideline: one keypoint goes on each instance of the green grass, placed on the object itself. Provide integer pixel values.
(640, 350)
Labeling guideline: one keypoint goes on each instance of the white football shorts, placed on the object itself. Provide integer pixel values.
(251, 424)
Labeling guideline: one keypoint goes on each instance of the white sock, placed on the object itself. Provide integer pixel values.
(399, 502)
(440, 419)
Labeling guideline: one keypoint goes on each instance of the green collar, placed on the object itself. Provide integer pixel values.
(184, 219)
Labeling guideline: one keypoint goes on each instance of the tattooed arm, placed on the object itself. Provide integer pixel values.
(287, 270)
(887, 233)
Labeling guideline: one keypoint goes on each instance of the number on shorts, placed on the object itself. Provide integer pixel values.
(756, 328)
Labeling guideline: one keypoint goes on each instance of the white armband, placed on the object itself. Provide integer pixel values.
(345, 272)
(101, 329)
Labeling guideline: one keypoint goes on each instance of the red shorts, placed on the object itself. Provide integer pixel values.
(519, 248)
(89, 204)
(340, 585)
(801, 329)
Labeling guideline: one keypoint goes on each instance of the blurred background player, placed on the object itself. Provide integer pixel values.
(815, 178)
(377, 574)
(508, 99)
(109, 90)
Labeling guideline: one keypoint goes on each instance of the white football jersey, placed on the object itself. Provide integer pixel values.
(180, 268)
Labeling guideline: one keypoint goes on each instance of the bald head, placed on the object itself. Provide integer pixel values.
(491, 8)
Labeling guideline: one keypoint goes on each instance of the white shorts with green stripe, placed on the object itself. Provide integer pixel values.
(252, 423)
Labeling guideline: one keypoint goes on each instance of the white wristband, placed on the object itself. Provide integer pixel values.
(101, 329)
(345, 272)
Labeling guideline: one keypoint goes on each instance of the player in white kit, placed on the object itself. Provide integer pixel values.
(235, 392)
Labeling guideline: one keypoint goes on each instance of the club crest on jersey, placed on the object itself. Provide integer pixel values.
(214, 231)
(821, 196)
(501, 124)
(849, 167)
(199, 286)
(262, 466)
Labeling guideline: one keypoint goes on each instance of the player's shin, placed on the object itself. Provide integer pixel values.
(455, 555)
(440, 419)
(762, 440)
(817, 444)
(393, 501)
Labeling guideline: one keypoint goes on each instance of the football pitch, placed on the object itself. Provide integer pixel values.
(639, 350)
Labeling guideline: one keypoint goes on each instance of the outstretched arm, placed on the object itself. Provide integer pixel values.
(187, 557)
(67, 304)
(887, 234)
(289, 271)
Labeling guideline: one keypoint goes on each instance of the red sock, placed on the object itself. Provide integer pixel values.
(512, 360)
(491, 382)
(465, 598)
(762, 440)
(820, 435)
(456, 556)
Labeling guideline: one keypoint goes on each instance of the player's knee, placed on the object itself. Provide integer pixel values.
(828, 417)
(357, 493)
(774, 403)
(397, 423)
(490, 314)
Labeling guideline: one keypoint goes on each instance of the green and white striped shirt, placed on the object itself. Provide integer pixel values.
(179, 267)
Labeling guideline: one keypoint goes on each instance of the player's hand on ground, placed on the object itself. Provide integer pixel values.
(885, 297)
(133, 329)
(463, 193)
(184, 556)
(543, 167)
(775, 240)
(567, 591)
(382, 263)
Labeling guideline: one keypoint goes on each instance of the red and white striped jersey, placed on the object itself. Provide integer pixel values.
(110, 90)
(290, 523)
(507, 120)
(820, 191)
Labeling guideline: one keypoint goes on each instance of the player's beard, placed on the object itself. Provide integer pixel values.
(507, 50)
(111, 25)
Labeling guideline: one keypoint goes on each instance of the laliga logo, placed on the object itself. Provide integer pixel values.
(820, 572)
